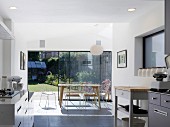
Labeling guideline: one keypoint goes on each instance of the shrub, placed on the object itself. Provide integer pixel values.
(85, 76)
(49, 79)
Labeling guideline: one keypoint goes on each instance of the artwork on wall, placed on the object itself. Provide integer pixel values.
(122, 59)
(22, 60)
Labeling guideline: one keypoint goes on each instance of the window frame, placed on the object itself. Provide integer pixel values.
(144, 44)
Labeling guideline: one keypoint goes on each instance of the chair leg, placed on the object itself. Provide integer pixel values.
(55, 99)
(46, 102)
(40, 99)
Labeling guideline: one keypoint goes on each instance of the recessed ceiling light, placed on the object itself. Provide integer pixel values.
(131, 9)
(13, 8)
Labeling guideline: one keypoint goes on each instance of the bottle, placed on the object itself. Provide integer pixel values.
(4, 82)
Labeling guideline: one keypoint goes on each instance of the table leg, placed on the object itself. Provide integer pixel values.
(61, 96)
(137, 102)
(115, 112)
(98, 94)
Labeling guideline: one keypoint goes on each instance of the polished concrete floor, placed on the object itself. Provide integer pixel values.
(49, 114)
(74, 121)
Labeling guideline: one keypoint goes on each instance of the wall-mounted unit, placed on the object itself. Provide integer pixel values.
(5, 33)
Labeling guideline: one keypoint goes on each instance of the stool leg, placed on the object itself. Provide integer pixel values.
(40, 99)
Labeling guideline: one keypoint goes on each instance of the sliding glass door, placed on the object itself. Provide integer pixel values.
(55, 67)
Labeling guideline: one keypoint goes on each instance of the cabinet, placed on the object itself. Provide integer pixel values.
(16, 111)
(130, 93)
(159, 109)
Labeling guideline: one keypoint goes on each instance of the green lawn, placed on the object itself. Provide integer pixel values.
(41, 87)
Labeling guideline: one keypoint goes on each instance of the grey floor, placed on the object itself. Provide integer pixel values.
(74, 121)
(51, 115)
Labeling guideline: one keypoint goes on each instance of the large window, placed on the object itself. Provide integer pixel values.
(154, 50)
(68, 67)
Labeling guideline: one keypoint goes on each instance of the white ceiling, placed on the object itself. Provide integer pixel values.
(84, 11)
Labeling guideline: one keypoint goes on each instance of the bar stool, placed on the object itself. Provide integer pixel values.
(47, 94)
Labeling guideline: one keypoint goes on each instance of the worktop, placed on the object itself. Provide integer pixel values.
(133, 88)
(12, 99)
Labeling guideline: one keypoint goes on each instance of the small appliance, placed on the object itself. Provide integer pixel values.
(14, 81)
(160, 84)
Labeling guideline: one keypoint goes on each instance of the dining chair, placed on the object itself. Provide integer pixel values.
(88, 93)
(105, 91)
(70, 94)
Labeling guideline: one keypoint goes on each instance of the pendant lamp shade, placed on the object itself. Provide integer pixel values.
(96, 49)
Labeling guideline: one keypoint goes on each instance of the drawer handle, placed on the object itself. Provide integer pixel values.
(19, 124)
(25, 111)
(166, 101)
(18, 108)
(154, 98)
(160, 112)
(26, 99)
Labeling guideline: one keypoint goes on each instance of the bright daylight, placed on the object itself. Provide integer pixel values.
(84, 63)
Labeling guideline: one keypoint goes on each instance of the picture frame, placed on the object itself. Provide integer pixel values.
(122, 59)
(22, 60)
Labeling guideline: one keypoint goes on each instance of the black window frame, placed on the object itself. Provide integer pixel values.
(144, 43)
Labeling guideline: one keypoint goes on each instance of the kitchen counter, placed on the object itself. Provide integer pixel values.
(12, 99)
(10, 96)
(132, 88)
(16, 111)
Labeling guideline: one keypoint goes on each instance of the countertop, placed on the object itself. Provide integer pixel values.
(12, 99)
(10, 96)
(133, 88)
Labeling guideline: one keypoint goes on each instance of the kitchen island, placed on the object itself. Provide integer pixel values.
(16, 110)
(131, 94)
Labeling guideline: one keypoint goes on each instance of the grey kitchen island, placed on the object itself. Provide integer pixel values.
(130, 93)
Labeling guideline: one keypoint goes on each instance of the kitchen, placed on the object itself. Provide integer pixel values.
(10, 64)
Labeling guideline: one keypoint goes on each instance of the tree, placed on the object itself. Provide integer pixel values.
(33, 56)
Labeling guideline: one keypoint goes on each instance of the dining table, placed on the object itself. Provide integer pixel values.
(96, 87)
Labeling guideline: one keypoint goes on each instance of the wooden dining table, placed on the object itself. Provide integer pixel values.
(94, 86)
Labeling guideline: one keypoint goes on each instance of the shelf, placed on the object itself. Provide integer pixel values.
(5, 33)
(134, 115)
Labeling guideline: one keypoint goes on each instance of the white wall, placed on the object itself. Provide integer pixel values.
(58, 37)
(1, 61)
(1, 58)
(124, 38)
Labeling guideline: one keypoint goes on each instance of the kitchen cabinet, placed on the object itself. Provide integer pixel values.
(16, 111)
(159, 109)
(167, 26)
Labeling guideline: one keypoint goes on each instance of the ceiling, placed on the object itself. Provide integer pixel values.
(68, 11)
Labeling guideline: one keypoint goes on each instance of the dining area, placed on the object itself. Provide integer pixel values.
(83, 94)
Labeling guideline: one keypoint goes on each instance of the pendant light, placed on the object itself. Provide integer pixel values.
(96, 49)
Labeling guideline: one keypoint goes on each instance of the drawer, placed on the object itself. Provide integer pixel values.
(123, 94)
(165, 101)
(155, 98)
(158, 116)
